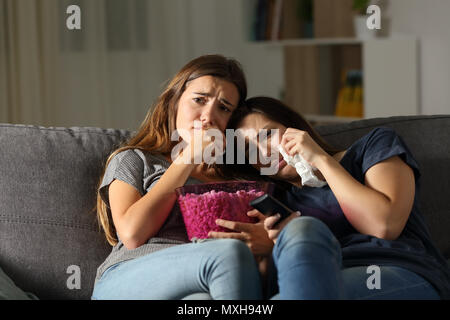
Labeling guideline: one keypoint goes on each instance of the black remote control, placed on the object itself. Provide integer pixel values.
(268, 206)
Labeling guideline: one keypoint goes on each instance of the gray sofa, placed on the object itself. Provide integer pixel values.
(49, 178)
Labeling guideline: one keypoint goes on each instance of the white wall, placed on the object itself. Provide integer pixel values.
(429, 21)
(182, 30)
(199, 27)
(123, 85)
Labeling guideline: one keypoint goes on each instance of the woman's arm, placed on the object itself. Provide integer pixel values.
(136, 217)
(382, 205)
(379, 207)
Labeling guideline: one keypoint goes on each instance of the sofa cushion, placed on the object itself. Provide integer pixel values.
(427, 137)
(48, 186)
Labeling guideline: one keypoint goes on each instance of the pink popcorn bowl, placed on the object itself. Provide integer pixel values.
(202, 204)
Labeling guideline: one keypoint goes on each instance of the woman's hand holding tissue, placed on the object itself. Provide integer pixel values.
(296, 141)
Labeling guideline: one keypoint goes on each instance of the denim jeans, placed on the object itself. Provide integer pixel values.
(224, 268)
(308, 259)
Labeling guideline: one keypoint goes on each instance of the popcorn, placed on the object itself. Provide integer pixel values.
(200, 211)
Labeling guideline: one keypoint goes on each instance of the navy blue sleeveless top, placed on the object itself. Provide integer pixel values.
(412, 250)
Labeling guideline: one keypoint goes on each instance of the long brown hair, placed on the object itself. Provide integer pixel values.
(154, 133)
(277, 111)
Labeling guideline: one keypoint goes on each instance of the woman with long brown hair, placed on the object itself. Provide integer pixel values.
(151, 257)
(361, 235)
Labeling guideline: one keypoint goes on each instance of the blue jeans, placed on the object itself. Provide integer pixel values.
(308, 261)
(224, 268)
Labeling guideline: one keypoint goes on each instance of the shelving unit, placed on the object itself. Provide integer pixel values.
(390, 75)
(313, 67)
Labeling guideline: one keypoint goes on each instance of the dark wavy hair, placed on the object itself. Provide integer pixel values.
(277, 111)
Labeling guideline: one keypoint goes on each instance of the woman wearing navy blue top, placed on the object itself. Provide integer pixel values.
(361, 236)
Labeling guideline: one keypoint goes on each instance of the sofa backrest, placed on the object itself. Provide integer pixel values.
(48, 232)
(428, 138)
(48, 178)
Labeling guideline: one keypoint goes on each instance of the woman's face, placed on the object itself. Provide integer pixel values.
(257, 122)
(207, 99)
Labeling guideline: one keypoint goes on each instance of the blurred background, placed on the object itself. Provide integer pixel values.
(312, 54)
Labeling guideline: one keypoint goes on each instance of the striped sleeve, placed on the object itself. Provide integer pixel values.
(126, 166)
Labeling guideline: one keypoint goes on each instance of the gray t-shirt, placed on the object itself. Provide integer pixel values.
(142, 170)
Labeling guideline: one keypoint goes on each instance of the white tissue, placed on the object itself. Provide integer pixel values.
(304, 169)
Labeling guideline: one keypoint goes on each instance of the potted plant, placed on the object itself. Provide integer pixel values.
(359, 22)
(360, 6)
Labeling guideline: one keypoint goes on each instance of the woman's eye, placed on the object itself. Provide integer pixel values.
(225, 108)
(199, 100)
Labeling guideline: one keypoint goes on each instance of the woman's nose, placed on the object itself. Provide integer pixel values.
(208, 116)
